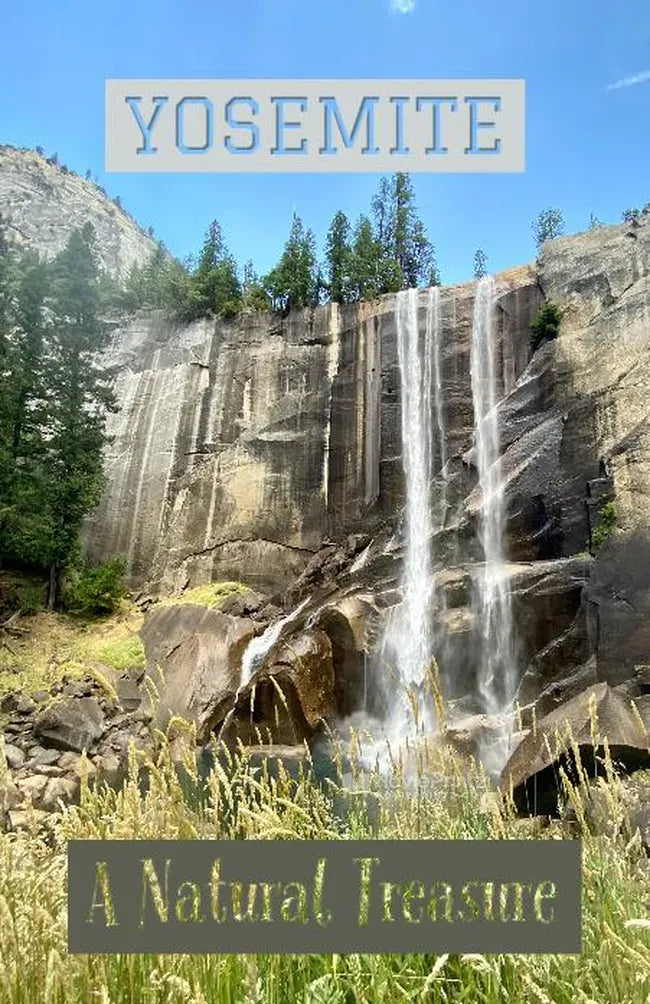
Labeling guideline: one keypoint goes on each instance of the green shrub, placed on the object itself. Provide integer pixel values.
(97, 590)
(605, 525)
(546, 325)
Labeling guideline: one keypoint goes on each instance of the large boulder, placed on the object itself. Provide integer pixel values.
(291, 692)
(71, 723)
(598, 717)
(194, 658)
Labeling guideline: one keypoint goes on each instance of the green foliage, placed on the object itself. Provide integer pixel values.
(631, 215)
(394, 253)
(96, 591)
(338, 254)
(365, 266)
(254, 295)
(210, 595)
(548, 225)
(215, 288)
(407, 256)
(546, 326)
(122, 653)
(605, 526)
(53, 406)
(294, 282)
(480, 264)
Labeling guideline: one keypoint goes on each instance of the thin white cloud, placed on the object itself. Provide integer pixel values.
(403, 6)
(638, 78)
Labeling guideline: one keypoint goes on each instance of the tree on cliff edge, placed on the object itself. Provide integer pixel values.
(215, 286)
(547, 226)
(407, 255)
(294, 282)
(338, 257)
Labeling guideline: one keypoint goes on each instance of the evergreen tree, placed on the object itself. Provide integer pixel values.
(365, 270)
(254, 295)
(406, 252)
(548, 225)
(338, 255)
(77, 397)
(480, 264)
(215, 286)
(293, 283)
(6, 380)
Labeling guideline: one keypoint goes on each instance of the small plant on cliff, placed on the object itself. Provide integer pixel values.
(546, 326)
(98, 590)
(605, 525)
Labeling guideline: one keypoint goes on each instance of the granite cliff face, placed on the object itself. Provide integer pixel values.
(269, 451)
(239, 449)
(41, 203)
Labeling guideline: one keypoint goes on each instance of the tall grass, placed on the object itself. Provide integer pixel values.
(429, 793)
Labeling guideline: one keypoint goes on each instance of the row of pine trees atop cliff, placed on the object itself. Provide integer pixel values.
(382, 254)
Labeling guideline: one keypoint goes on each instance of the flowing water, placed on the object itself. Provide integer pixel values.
(496, 657)
(408, 643)
(255, 653)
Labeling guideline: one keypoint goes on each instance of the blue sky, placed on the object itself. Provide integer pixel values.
(588, 143)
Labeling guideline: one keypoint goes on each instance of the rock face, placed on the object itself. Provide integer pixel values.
(41, 203)
(269, 450)
(241, 448)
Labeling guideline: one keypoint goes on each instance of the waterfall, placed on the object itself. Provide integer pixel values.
(434, 334)
(408, 642)
(496, 658)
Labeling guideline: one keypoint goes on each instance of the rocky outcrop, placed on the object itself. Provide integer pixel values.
(41, 203)
(193, 663)
(194, 669)
(240, 449)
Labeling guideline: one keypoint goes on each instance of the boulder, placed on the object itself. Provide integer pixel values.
(71, 723)
(57, 790)
(14, 756)
(597, 716)
(193, 661)
(292, 690)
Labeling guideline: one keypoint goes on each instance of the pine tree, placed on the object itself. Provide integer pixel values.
(366, 266)
(480, 264)
(254, 295)
(548, 225)
(293, 283)
(7, 265)
(77, 397)
(338, 255)
(215, 286)
(407, 254)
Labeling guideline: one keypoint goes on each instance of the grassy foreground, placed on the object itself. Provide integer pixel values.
(245, 802)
